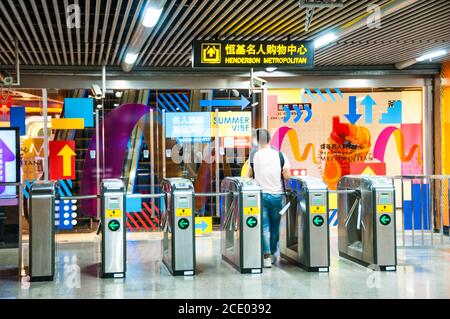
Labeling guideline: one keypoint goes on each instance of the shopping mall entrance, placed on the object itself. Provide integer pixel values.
(327, 127)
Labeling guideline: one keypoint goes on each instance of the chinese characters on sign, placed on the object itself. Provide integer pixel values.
(189, 127)
(346, 153)
(235, 54)
(201, 126)
(293, 107)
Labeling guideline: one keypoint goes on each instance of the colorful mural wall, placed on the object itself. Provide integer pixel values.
(335, 132)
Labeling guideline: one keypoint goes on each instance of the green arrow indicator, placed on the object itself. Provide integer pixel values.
(183, 223)
(318, 221)
(252, 222)
(113, 225)
(385, 219)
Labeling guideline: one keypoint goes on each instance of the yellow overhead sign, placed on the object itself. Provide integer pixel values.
(253, 54)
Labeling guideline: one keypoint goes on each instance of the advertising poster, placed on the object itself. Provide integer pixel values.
(331, 132)
(9, 165)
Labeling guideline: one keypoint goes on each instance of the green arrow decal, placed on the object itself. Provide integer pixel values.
(385, 219)
(318, 221)
(113, 225)
(252, 222)
(183, 223)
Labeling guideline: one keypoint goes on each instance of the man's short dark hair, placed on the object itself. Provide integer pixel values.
(262, 136)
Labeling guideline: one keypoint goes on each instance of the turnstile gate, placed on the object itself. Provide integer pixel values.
(241, 224)
(42, 231)
(178, 225)
(113, 221)
(304, 234)
(366, 215)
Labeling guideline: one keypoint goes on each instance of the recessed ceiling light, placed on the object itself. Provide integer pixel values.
(151, 17)
(432, 55)
(325, 40)
(131, 58)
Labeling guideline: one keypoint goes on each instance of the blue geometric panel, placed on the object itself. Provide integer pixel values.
(76, 108)
(17, 119)
(393, 114)
(420, 205)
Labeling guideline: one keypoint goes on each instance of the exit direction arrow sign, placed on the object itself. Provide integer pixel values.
(183, 223)
(385, 219)
(114, 225)
(62, 160)
(368, 102)
(242, 103)
(202, 225)
(252, 222)
(352, 115)
(67, 154)
(318, 221)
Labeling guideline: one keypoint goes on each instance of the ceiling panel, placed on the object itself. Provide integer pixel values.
(107, 27)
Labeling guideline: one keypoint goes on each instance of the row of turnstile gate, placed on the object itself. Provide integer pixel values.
(366, 231)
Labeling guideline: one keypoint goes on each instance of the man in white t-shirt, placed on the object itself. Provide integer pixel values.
(270, 168)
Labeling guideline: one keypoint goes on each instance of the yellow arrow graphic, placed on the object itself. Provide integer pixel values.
(368, 171)
(67, 153)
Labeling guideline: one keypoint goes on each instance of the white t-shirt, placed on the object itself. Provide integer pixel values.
(267, 169)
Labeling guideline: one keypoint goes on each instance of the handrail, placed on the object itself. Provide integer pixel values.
(41, 196)
(433, 202)
(342, 191)
(146, 195)
(212, 194)
(10, 184)
(78, 197)
(437, 177)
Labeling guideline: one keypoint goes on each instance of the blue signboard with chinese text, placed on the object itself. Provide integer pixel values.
(192, 127)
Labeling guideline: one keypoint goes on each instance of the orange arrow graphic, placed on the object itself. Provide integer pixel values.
(67, 153)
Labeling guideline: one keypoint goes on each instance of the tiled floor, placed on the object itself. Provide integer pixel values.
(422, 273)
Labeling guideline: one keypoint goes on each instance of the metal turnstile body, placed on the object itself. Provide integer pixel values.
(366, 215)
(241, 224)
(42, 231)
(178, 226)
(304, 233)
(113, 229)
